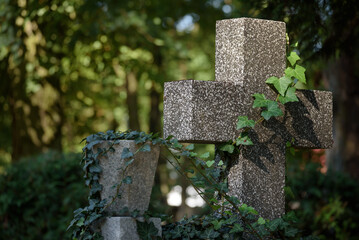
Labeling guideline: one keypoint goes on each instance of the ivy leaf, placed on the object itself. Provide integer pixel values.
(281, 84)
(95, 169)
(273, 225)
(126, 153)
(96, 187)
(177, 232)
(190, 147)
(297, 72)
(273, 110)
(145, 148)
(127, 180)
(236, 228)
(220, 163)
(217, 224)
(146, 230)
(244, 122)
(261, 221)
(227, 148)
(244, 139)
(291, 217)
(210, 233)
(92, 218)
(169, 137)
(259, 100)
(193, 154)
(288, 191)
(80, 222)
(272, 80)
(293, 58)
(177, 145)
(290, 96)
(210, 163)
(291, 232)
(204, 155)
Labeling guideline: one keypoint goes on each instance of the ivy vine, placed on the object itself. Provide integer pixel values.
(229, 219)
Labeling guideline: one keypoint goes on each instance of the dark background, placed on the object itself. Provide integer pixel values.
(70, 68)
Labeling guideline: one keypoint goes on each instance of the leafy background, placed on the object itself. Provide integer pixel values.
(74, 67)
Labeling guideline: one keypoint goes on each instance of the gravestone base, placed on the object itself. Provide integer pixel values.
(125, 228)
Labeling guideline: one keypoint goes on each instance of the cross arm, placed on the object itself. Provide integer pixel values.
(202, 111)
(310, 121)
(207, 111)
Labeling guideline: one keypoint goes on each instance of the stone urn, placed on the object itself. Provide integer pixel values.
(136, 195)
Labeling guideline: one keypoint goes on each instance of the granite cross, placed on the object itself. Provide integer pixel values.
(248, 51)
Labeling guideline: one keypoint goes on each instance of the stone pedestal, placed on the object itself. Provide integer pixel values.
(125, 228)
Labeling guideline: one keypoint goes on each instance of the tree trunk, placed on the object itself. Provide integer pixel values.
(132, 105)
(155, 115)
(24, 134)
(344, 83)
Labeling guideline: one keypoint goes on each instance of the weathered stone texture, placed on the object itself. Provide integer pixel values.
(249, 50)
(135, 196)
(215, 106)
(125, 228)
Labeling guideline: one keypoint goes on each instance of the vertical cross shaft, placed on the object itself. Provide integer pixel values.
(248, 51)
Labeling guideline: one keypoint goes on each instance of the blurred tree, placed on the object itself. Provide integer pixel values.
(75, 67)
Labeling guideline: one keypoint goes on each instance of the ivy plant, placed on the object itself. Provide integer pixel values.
(230, 219)
(285, 89)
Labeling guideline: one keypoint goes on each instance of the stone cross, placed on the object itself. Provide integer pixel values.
(248, 51)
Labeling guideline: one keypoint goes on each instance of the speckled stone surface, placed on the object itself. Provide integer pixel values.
(142, 171)
(207, 112)
(125, 228)
(248, 51)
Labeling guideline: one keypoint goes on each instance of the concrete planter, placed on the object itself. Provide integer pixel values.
(134, 196)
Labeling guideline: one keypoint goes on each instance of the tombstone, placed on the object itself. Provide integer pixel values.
(248, 51)
(134, 196)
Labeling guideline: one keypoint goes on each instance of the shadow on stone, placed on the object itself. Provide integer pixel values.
(257, 152)
(301, 124)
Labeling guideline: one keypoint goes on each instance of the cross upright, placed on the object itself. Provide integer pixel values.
(248, 51)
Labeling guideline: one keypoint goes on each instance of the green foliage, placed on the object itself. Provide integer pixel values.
(293, 58)
(209, 163)
(146, 231)
(244, 139)
(229, 220)
(38, 196)
(272, 110)
(326, 204)
(285, 89)
(280, 84)
(243, 122)
(297, 72)
(126, 153)
(260, 100)
(205, 155)
(67, 64)
(227, 225)
(227, 148)
(290, 96)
